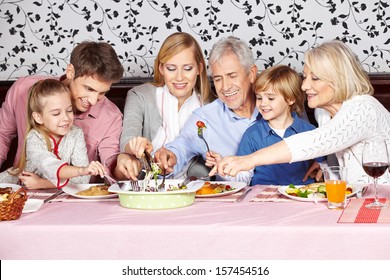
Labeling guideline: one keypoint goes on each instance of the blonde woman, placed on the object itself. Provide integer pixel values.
(155, 112)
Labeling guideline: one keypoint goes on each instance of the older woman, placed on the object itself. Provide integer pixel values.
(334, 81)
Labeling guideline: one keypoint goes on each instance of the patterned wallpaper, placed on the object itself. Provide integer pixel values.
(37, 36)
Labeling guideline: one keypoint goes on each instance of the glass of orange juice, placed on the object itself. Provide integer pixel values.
(336, 185)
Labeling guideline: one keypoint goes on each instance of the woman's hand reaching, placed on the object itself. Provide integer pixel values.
(138, 145)
(231, 165)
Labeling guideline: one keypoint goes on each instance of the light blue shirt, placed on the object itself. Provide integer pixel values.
(223, 133)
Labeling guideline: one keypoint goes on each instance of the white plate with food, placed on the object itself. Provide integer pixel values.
(89, 191)
(312, 193)
(218, 188)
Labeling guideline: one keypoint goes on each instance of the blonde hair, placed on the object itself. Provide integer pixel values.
(334, 63)
(40, 89)
(174, 44)
(285, 81)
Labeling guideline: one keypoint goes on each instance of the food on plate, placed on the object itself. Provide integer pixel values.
(213, 188)
(96, 190)
(176, 187)
(308, 191)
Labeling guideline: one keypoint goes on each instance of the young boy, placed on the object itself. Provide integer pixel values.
(92, 70)
(280, 101)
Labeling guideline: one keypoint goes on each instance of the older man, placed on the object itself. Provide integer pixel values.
(226, 119)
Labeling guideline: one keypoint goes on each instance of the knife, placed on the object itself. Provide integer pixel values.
(247, 190)
(57, 193)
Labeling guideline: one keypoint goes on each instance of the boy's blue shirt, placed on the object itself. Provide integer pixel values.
(261, 135)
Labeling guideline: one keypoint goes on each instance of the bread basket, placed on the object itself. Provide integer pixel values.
(12, 208)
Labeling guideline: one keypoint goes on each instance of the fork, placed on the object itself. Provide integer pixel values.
(162, 185)
(193, 178)
(200, 134)
(121, 185)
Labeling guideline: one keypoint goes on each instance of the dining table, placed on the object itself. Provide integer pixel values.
(214, 230)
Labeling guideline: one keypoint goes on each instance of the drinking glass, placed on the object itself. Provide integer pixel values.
(336, 185)
(375, 163)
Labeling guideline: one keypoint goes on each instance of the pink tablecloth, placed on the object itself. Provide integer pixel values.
(204, 230)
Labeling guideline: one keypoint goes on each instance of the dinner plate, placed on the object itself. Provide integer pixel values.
(32, 205)
(236, 185)
(282, 190)
(73, 189)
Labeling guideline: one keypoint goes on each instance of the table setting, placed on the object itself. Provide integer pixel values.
(245, 222)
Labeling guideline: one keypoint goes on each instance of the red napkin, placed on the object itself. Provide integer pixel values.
(356, 212)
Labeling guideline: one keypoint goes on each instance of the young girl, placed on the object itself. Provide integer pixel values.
(54, 148)
(280, 101)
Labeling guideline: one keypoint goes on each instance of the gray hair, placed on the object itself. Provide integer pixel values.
(233, 45)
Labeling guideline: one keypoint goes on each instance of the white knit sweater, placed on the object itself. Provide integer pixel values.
(359, 119)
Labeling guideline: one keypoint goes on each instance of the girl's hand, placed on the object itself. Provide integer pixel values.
(94, 168)
(32, 181)
(212, 158)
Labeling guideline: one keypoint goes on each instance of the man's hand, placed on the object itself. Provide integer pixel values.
(212, 158)
(166, 158)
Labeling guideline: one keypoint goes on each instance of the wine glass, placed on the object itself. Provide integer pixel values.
(375, 163)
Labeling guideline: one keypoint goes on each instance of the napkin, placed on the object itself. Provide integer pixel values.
(356, 212)
(270, 194)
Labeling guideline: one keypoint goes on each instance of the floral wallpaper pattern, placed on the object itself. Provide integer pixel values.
(37, 36)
